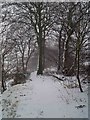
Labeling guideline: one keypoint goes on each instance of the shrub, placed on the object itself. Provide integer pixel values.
(19, 78)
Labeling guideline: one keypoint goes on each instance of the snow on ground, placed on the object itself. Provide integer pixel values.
(44, 97)
(0, 103)
(0, 107)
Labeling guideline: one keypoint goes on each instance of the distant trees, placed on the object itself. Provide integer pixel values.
(82, 31)
(70, 16)
(37, 16)
(17, 43)
(24, 45)
(40, 17)
(73, 36)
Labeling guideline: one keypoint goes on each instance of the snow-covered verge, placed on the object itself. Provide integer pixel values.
(0, 102)
(44, 97)
(0, 106)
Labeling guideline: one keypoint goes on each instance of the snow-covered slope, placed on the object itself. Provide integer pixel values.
(44, 97)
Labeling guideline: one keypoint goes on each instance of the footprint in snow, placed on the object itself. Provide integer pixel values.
(41, 113)
(8, 96)
(80, 106)
(23, 95)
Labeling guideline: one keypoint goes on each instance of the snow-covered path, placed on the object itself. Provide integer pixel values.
(43, 97)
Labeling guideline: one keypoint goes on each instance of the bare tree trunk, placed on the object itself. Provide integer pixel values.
(23, 69)
(66, 57)
(72, 69)
(3, 81)
(43, 53)
(78, 66)
(59, 51)
(40, 67)
(16, 61)
(78, 56)
(40, 44)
